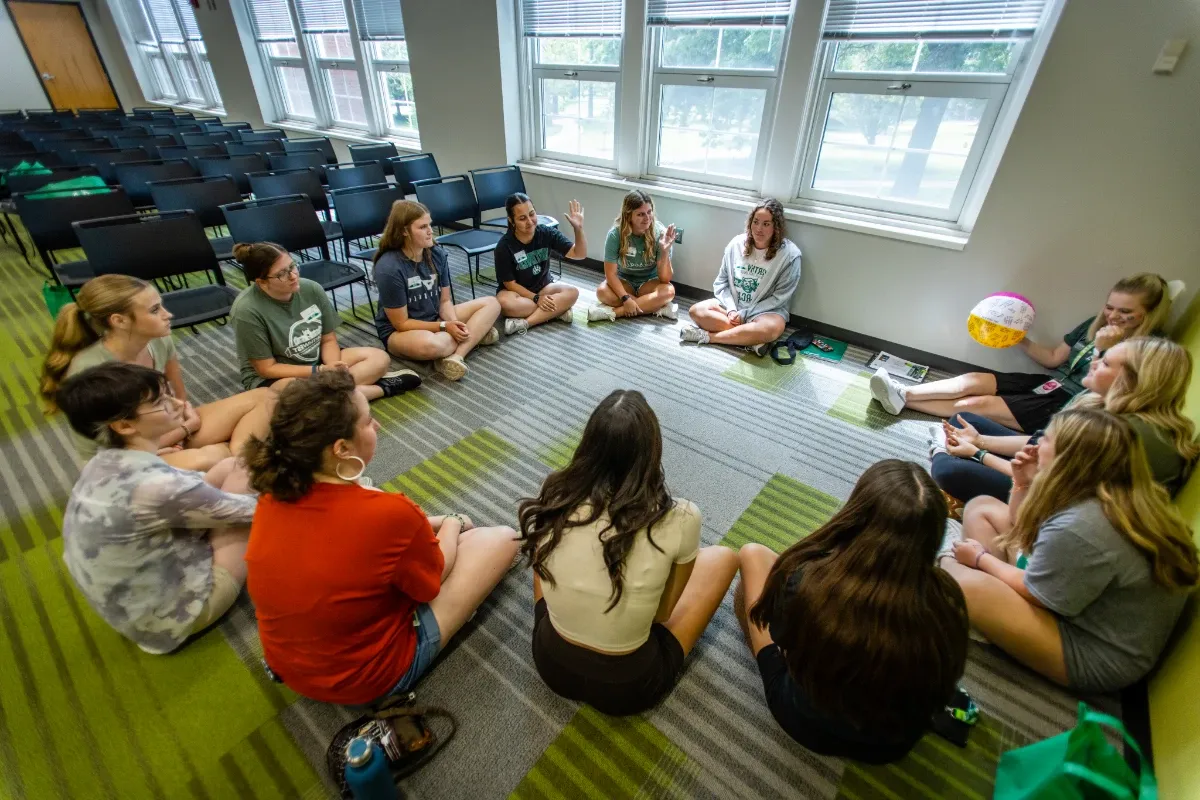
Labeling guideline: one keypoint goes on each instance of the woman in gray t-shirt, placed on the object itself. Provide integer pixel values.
(1084, 575)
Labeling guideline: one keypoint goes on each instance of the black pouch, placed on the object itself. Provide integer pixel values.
(794, 344)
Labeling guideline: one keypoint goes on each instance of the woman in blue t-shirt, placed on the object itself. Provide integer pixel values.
(417, 319)
(527, 295)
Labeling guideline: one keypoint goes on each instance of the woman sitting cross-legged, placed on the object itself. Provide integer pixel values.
(417, 317)
(1108, 561)
(284, 328)
(157, 551)
(1145, 378)
(860, 639)
(621, 587)
(1137, 306)
(121, 318)
(754, 286)
(637, 265)
(356, 590)
(526, 294)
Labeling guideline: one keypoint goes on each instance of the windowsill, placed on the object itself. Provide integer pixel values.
(220, 112)
(859, 221)
(357, 137)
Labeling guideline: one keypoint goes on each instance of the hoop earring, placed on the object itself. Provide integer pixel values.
(353, 478)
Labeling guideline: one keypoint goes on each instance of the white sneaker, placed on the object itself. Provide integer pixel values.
(602, 313)
(694, 334)
(937, 440)
(567, 317)
(516, 327)
(669, 311)
(888, 393)
(491, 337)
(452, 367)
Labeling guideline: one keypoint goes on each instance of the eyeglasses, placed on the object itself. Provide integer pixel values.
(287, 274)
(162, 406)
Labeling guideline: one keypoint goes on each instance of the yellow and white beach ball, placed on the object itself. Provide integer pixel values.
(1000, 320)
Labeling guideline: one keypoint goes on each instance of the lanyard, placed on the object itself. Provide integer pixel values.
(1079, 356)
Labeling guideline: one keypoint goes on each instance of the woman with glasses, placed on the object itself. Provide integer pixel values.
(284, 328)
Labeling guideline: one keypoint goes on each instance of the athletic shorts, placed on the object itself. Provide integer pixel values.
(614, 684)
(1031, 410)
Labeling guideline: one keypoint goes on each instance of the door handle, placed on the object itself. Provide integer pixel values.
(46, 76)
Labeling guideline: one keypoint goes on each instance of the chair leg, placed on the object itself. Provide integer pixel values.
(333, 297)
(17, 238)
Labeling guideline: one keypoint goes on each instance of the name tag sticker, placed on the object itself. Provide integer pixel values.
(519, 255)
(1047, 387)
(414, 282)
(311, 313)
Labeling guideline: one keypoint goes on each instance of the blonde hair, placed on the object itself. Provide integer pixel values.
(404, 213)
(83, 323)
(624, 225)
(1098, 455)
(1152, 290)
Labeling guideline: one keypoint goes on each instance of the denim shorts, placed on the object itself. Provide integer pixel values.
(429, 644)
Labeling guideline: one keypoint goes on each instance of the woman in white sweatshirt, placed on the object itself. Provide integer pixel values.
(754, 286)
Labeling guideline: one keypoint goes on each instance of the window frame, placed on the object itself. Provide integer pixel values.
(173, 60)
(380, 68)
(590, 73)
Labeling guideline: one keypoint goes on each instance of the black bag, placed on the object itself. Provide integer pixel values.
(794, 344)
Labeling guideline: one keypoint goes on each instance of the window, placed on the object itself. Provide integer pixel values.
(337, 64)
(908, 99)
(574, 47)
(168, 39)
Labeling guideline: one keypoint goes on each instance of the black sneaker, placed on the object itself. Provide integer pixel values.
(398, 382)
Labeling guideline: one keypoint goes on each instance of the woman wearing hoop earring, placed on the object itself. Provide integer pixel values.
(356, 591)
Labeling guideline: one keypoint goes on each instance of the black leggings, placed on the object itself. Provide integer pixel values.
(964, 479)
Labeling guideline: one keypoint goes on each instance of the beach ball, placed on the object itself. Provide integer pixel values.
(1000, 320)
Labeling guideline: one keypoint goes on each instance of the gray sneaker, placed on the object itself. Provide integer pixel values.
(602, 313)
(888, 393)
(693, 334)
(516, 327)
(669, 311)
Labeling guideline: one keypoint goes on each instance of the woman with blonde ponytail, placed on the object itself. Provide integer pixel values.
(1084, 575)
(123, 319)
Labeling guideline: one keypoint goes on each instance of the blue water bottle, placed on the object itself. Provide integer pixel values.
(367, 772)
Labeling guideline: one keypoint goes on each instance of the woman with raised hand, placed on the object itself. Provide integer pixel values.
(1136, 306)
(284, 326)
(1145, 378)
(417, 317)
(121, 318)
(527, 295)
(754, 286)
(158, 552)
(637, 265)
(356, 590)
(1084, 574)
(622, 589)
(860, 639)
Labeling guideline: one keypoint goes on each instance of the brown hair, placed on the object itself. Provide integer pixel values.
(1098, 455)
(872, 631)
(775, 209)
(310, 416)
(617, 468)
(404, 213)
(257, 258)
(1155, 296)
(631, 203)
(82, 323)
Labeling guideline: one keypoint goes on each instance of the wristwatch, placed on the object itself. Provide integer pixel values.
(625, 297)
(441, 325)
(979, 454)
(537, 296)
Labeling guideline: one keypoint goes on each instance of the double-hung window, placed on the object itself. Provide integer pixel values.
(381, 30)
(276, 38)
(574, 49)
(715, 71)
(909, 94)
(168, 39)
(326, 28)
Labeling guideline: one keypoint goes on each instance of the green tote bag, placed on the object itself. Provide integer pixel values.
(1079, 764)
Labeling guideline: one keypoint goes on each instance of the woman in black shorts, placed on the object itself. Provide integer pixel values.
(622, 588)
(1137, 306)
(860, 639)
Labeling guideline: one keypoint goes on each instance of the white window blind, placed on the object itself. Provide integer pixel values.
(164, 20)
(271, 20)
(718, 12)
(931, 19)
(139, 25)
(378, 20)
(572, 17)
(322, 16)
(190, 29)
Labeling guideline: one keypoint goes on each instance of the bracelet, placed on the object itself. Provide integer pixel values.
(186, 433)
(537, 296)
(979, 454)
(1021, 488)
(979, 557)
(625, 297)
(461, 522)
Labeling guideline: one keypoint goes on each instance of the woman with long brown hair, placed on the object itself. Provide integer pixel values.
(622, 589)
(1108, 561)
(860, 639)
(754, 286)
(637, 265)
(417, 317)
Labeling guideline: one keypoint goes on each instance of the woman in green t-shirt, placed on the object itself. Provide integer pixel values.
(637, 265)
(121, 318)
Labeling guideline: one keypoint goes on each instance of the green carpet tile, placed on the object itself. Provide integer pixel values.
(767, 452)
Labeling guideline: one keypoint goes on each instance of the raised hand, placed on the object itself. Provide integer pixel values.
(1109, 336)
(668, 238)
(575, 214)
(1025, 465)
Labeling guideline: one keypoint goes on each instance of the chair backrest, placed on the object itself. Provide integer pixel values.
(202, 139)
(363, 210)
(247, 135)
(449, 199)
(27, 183)
(49, 112)
(416, 167)
(261, 146)
(8, 160)
(68, 148)
(298, 159)
(148, 143)
(344, 176)
(185, 115)
(289, 221)
(189, 153)
(493, 185)
(278, 183)
(48, 219)
(44, 138)
(105, 160)
(205, 196)
(135, 175)
(234, 166)
(374, 152)
(227, 126)
(6, 116)
(147, 246)
(321, 143)
(105, 130)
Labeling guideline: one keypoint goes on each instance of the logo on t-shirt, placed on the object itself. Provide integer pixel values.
(304, 340)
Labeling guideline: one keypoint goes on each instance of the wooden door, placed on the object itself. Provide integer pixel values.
(63, 54)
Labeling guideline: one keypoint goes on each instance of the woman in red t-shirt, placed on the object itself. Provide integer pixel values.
(355, 589)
